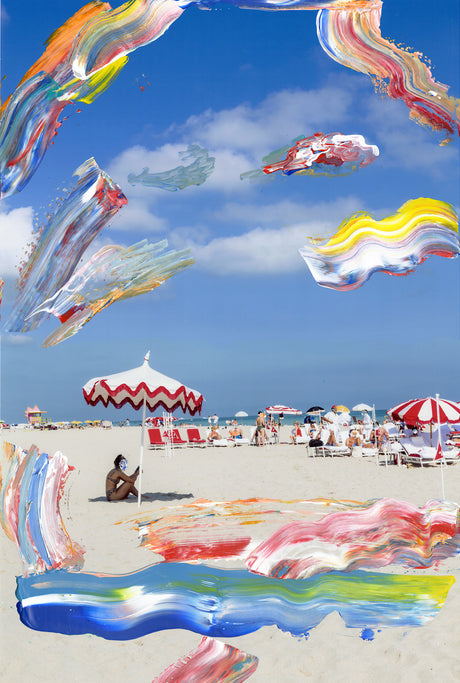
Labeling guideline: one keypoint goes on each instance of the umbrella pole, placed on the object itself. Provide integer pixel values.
(439, 443)
(141, 457)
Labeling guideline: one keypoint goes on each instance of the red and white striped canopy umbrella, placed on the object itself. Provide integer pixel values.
(283, 409)
(142, 383)
(143, 388)
(425, 411)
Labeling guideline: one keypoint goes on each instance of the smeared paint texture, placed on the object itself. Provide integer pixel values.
(352, 37)
(32, 484)
(215, 530)
(2, 284)
(62, 242)
(86, 54)
(395, 245)
(387, 532)
(195, 173)
(211, 661)
(330, 155)
(216, 602)
(82, 58)
(297, 539)
(112, 274)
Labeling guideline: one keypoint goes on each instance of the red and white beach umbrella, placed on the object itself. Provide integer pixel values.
(276, 410)
(426, 411)
(142, 387)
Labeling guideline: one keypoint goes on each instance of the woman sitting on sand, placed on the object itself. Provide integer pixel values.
(117, 474)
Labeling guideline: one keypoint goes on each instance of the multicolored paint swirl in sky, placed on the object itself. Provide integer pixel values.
(396, 245)
(88, 51)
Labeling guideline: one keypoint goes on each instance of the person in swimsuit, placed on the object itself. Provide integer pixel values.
(117, 474)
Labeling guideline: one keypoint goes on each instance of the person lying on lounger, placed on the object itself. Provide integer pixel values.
(355, 439)
(117, 474)
(214, 434)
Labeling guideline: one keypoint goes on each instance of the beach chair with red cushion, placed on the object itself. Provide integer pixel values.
(175, 437)
(155, 438)
(194, 438)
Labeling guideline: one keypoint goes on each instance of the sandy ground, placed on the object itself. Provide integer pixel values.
(331, 653)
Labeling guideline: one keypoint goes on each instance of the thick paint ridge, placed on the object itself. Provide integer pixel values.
(94, 201)
(211, 661)
(396, 244)
(330, 155)
(114, 273)
(221, 603)
(388, 532)
(32, 485)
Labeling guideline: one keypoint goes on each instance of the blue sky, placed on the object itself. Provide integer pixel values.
(246, 325)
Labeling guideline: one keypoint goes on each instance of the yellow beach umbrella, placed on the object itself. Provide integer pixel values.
(342, 409)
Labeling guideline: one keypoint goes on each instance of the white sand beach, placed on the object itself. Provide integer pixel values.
(284, 472)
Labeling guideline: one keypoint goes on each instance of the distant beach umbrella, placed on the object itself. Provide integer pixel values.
(342, 409)
(315, 410)
(362, 407)
(241, 413)
(142, 387)
(286, 410)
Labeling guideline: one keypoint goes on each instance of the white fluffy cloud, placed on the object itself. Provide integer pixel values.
(16, 228)
(279, 118)
(265, 249)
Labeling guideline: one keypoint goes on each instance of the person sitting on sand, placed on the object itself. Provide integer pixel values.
(117, 474)
(214, 434)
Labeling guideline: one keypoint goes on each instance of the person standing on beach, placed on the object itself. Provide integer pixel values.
(260, 434)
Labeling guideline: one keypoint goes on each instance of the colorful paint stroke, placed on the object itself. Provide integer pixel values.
(211, 661)
(114, 273)
(300, 538)
(86, 54)
(32, 484)
(387, 532)
(352, 37)
(195, 173)
(69, 232)
(215, 530)
(82, 58)
(321, 155)
(330, 154)
(216, 602)
(395, 245)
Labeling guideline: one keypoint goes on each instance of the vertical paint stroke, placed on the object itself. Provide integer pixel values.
(221, 603)
(396, 245)
(2, 284)
(195, 173)
(31, 489)
(112, 274)
(352, 37)
(69, 232)
(211, 661)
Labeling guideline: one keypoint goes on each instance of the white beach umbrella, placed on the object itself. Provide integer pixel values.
(142, 387)
(241, 413)
(362, 407)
